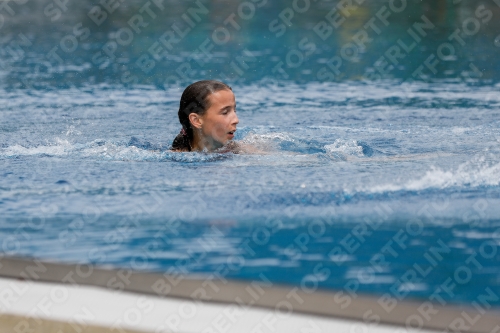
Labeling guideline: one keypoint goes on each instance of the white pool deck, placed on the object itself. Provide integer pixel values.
(47, 297)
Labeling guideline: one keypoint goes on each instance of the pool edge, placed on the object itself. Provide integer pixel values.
(259, 294)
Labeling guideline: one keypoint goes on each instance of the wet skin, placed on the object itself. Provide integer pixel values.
(217, 125)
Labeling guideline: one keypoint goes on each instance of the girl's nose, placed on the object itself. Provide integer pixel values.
(235, 120)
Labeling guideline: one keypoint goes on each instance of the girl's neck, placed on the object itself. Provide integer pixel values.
(200, 143)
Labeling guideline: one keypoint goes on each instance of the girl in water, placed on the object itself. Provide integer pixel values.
(207, 113)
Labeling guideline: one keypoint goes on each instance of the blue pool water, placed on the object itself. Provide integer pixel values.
(353, 172)
(376, 180)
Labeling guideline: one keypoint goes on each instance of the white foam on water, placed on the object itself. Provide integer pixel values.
(345, 147)
(61, 147)
(107, 150)
(267, 141)
(112, 151)
(478, 172)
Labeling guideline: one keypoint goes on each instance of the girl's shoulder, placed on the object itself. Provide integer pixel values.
(241, 148)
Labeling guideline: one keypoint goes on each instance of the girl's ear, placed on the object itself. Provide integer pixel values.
(195, 120)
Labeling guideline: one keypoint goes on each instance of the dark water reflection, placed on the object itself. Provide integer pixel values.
(45, 43)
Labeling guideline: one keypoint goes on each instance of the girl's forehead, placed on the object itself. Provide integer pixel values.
(222, 96)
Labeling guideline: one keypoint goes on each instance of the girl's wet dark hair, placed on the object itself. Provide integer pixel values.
(194, 99)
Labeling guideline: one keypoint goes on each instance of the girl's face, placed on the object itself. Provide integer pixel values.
(220, 120)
